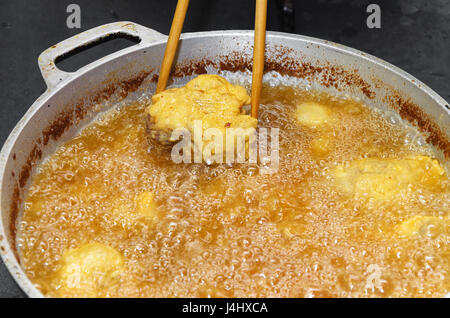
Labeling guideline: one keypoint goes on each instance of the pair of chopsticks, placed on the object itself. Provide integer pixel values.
(258, 49)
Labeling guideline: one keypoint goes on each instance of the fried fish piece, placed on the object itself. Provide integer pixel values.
(88, 270)
(208, 98)
(312, 115)
(128, 212)
(383, 179)
(418, 225)
(146, 205)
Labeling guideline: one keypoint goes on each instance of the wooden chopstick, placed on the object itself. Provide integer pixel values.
(258, 54)
(172, 44)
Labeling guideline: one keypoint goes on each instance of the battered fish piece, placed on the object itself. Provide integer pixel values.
(146, 205)
(129, 213)
(418, 225)
(383, 179)
(313, 115)
(210, 99)
(88, 270)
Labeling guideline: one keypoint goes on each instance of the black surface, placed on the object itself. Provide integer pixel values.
(414, 35)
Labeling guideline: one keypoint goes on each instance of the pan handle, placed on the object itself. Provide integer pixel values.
(53, 76)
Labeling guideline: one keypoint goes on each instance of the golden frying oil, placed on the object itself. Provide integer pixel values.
(229, 231)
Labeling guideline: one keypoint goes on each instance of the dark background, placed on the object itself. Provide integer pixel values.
(414, 35)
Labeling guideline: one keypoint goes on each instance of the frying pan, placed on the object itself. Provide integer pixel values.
(73, 99)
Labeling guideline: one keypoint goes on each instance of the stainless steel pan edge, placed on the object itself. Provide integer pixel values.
(193, 45)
